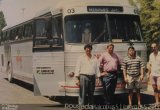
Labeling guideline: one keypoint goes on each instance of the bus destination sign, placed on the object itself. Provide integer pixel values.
(104, 9)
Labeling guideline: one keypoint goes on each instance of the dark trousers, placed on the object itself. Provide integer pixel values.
(109, 83)
(87, 86)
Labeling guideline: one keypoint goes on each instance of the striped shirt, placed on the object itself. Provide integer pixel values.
(132, 65)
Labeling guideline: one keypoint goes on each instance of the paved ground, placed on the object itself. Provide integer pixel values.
(18, 93)
(19, 96)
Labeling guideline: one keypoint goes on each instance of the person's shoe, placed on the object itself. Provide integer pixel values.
(140, 106)
(157, 106)
(129, 107)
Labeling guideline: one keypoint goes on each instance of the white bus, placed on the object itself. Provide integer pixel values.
(44, 50)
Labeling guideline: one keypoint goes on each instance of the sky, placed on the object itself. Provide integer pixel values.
(18, 10)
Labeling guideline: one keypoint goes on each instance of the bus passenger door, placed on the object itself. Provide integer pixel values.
(48, 57)
(8, 61)
(48, 68)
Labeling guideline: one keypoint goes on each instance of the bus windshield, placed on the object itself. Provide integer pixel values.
(102, 28)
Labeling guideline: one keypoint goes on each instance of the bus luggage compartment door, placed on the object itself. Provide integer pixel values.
(48, 69)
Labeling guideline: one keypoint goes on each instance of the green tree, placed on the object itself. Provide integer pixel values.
(2, 21)
(150, 19)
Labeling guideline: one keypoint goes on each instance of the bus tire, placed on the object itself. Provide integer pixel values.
(9, 73)
(53, 98)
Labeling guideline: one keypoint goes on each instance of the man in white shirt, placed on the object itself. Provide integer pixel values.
(86, 72)
(154, 71)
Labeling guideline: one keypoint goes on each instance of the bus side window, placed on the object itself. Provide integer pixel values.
(13, 34)
(2, 59)
(48, 28)
(28, 30)
(57, 30)
(3, 36)
(8, 35)
(20, 32)
(16, 36)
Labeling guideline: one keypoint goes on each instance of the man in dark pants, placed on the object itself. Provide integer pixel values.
(109, 63)
(86, 73)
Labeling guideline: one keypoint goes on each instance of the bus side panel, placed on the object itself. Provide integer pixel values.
(3, 61)
(21, 54)
(48, 68)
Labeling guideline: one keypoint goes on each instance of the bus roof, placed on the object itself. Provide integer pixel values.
(8, 27)
(42, 12)
(63, 3)
(59, 4)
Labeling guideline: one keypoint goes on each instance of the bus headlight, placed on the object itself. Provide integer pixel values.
(70, 74)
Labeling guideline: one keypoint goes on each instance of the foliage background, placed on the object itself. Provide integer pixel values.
(150, 20)
(2, 21)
